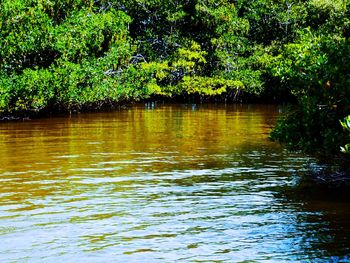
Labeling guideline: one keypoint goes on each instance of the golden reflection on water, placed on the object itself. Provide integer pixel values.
(44, 150)
(173, 182)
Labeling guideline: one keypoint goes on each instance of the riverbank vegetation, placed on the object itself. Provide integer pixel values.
(68, 55)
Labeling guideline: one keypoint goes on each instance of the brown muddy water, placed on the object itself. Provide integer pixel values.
(162, 183)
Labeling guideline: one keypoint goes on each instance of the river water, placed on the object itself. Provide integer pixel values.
(162, 183)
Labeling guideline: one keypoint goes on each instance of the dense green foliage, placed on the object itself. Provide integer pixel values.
(66, 55)
(346, 126)
(315, 68)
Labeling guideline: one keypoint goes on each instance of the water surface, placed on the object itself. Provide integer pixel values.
(187, 183)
